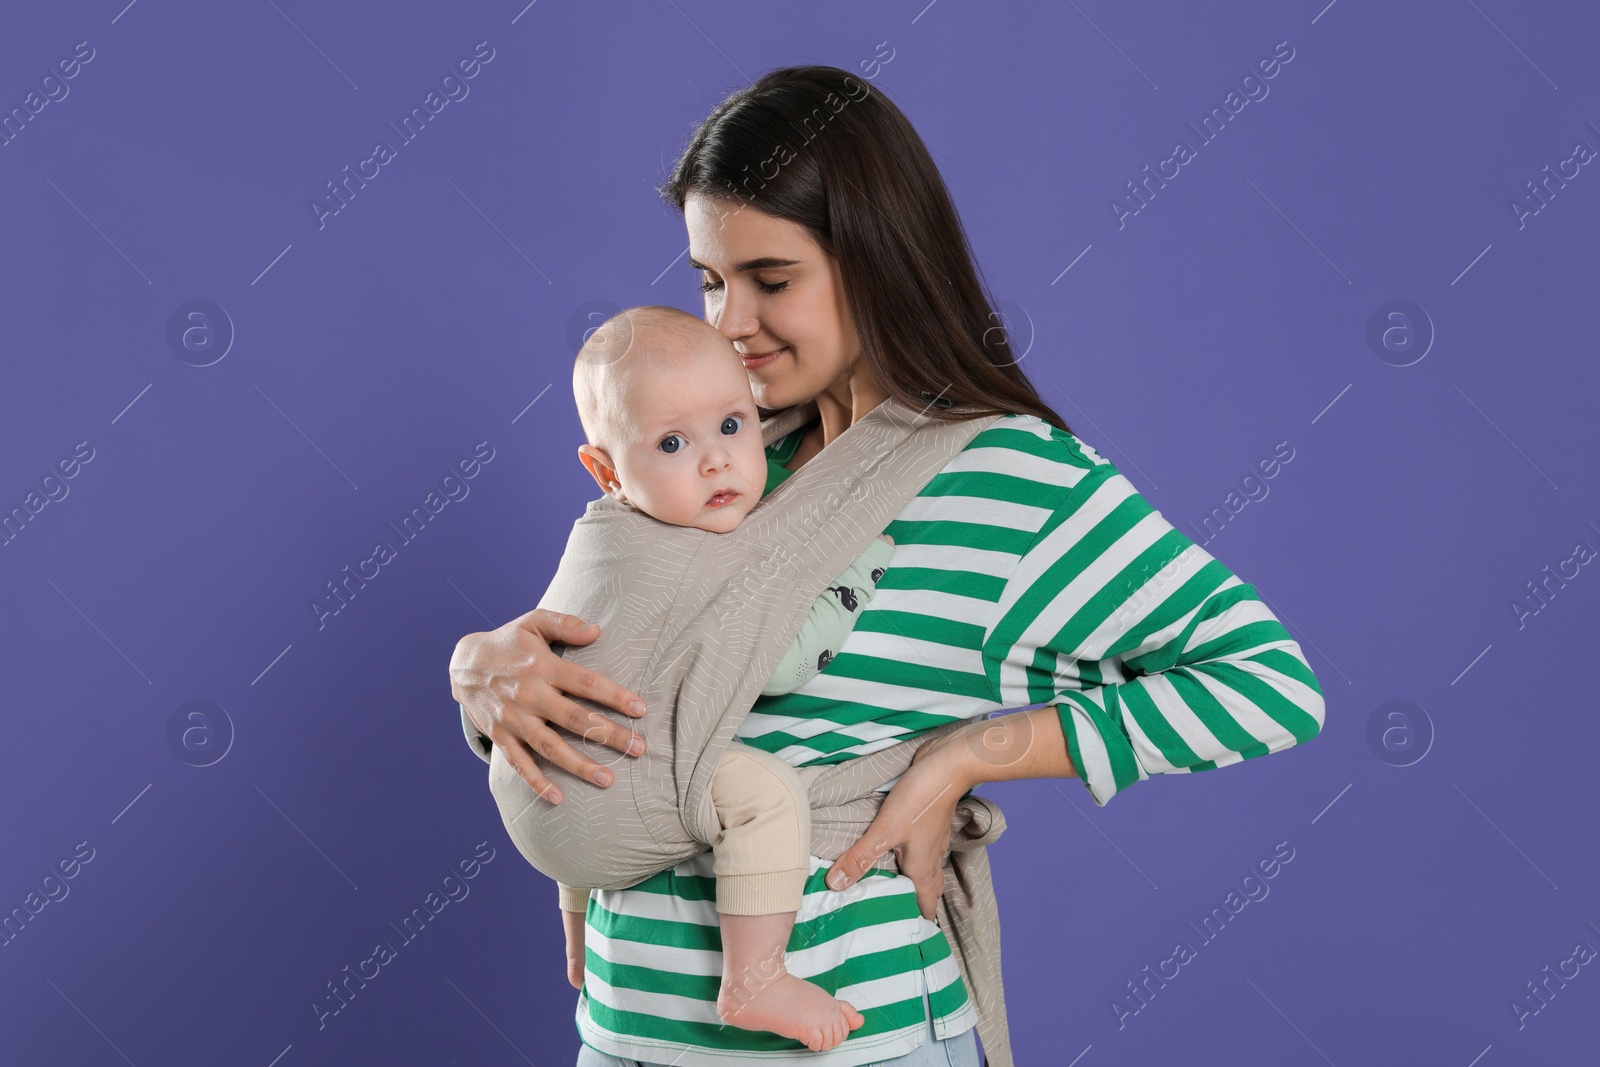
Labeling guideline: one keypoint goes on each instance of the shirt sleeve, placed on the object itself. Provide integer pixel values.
(830, 620)
(1159, 660)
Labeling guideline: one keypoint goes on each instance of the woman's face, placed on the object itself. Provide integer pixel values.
(772, 291)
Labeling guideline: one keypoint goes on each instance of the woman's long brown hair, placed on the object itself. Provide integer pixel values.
(824, 149)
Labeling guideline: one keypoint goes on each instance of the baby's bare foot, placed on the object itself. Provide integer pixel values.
(789, 1007)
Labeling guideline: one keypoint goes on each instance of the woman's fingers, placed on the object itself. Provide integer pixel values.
(855, 862)
(595, 728)
(579, 681)
(929, 881)
(555, 626)
(562, 680)
(573, 679)
(524, 764)
(554, 748)
(922, 859)
(914, 822)
(845, 870)
(927, 877)
(889, 830)
(515, 689)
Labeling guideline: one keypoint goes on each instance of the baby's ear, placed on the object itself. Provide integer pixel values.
(598, 464)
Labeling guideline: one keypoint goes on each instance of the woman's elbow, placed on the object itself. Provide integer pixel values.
(1301, 688)
(1299, 713)
(1315, 708)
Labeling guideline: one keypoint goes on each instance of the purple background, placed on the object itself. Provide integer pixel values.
(1228, 315)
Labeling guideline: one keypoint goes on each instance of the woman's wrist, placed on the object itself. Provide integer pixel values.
(1022, 744)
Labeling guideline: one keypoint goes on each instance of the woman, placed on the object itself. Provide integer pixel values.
(1028, 571)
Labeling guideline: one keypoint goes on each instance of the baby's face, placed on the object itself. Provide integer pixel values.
(695, 456)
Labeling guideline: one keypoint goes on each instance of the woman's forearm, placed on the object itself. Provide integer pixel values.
(1023, 744)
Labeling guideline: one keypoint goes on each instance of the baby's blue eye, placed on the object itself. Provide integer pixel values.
(738, 424)
(667, 444)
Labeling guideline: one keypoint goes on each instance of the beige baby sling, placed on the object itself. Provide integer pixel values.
(694, 623)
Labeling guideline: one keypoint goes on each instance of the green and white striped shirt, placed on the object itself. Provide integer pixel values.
(1027, 571)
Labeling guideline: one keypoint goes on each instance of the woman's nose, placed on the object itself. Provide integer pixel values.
(735, 319)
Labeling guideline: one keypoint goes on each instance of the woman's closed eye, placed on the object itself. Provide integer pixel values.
(774, 287)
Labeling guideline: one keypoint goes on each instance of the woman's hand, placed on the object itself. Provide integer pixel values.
(914, 822)
(916, 815)
(514, 690)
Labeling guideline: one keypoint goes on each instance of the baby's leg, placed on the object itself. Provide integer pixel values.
(761, 860)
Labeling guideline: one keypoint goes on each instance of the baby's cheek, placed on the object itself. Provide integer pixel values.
(682, 502)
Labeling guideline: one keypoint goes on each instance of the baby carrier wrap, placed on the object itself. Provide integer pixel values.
(695, 622)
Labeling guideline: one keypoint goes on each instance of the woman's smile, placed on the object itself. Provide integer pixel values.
(752, 360)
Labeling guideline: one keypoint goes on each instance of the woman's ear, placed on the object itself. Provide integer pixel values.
(598, 463)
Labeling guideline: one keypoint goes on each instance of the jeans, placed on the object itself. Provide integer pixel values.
(958, 1051)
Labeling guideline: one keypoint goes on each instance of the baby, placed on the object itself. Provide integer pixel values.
(673, 431)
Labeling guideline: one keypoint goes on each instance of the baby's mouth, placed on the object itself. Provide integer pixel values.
(721, 497)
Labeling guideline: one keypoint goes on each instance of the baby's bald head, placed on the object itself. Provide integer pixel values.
(673, 428)
(629, 352)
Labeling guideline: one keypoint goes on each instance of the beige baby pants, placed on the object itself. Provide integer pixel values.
(762, 855)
